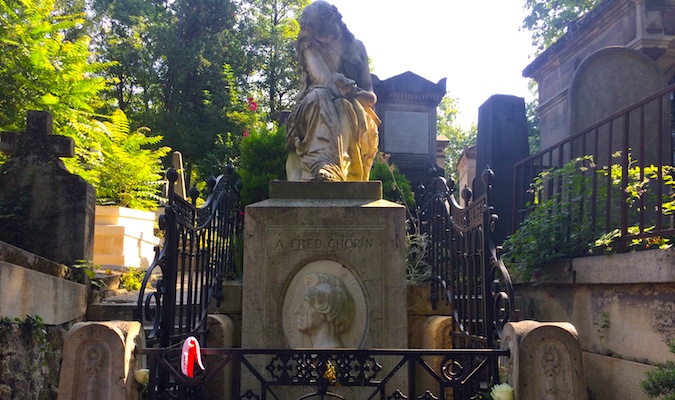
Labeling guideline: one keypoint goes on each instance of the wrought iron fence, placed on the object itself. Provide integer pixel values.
(623, 178)
(201, 249)
(333, 373)
(467, 271)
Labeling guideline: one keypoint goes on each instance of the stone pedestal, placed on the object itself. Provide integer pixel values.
(342, 229)
(324, 237)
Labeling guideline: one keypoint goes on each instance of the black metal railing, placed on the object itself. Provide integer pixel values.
(467, 270)
(333, 373)
(201, 246)
(623, 178)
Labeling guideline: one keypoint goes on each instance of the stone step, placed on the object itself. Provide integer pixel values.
(107, 311)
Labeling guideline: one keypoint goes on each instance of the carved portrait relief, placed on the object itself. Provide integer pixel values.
(324, 307)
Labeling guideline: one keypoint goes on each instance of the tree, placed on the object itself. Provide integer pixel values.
(533, 134)
(548, 20)
(42, 69)
(179, 68)
(446, 113)
(124, 35)
(273, 28)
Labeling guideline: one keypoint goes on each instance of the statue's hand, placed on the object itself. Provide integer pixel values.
(345, 85)
(365, 97)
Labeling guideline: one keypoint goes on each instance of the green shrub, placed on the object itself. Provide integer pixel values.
(661, 382)
(132, 279)
(395, 186)
(554, 228)
(559, 225)
(263, 159)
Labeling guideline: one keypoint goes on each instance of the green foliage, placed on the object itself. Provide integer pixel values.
(553, 229)
(548, 20)
(129, 174)
(637, 192)
(395, 186)
(32, 328)
(459, 138)
(132, 279)
(661, 382)
(179, 67)
(263, 159)
(533, 134)
(83, 271)
(559, 225)
(42, 68)
(272, 28)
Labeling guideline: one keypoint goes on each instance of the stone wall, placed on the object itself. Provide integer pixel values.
(623, 308)
(30, 350)
(30, 359)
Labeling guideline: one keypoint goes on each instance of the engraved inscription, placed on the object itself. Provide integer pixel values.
(342, 243)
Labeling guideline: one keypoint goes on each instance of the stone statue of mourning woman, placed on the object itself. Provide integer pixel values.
(332, 130)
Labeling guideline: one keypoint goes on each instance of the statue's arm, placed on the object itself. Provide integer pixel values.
(364, 81)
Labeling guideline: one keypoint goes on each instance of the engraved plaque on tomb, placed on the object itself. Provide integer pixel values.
(407, 132)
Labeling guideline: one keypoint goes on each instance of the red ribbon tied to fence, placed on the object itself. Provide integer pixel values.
(191, 353)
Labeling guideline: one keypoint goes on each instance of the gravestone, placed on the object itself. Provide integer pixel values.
(99, 361)
(546, 360)
(44, 208)
(502, 141)
(406, 104)
(606, 82)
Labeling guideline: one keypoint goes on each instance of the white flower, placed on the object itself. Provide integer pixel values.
(142, 376)
(502, 392)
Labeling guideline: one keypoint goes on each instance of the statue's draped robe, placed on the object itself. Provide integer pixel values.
(330, 137)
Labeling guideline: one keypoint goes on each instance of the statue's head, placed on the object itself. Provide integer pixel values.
(322, 19)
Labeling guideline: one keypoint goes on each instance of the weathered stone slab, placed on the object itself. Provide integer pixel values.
(364, 238)
(26, 259)
(124, 237)
(406, 103)
(546, 360)
(27, 292)
(607, 81)
(436, 335)
(99, 361)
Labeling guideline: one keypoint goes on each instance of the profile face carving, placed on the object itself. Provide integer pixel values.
(326, 311)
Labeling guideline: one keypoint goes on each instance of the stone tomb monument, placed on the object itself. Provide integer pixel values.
(52, 210)
(324, 267)
(407, 103)
(502, 141)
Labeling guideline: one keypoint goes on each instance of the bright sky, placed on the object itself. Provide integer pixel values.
(475, 44)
